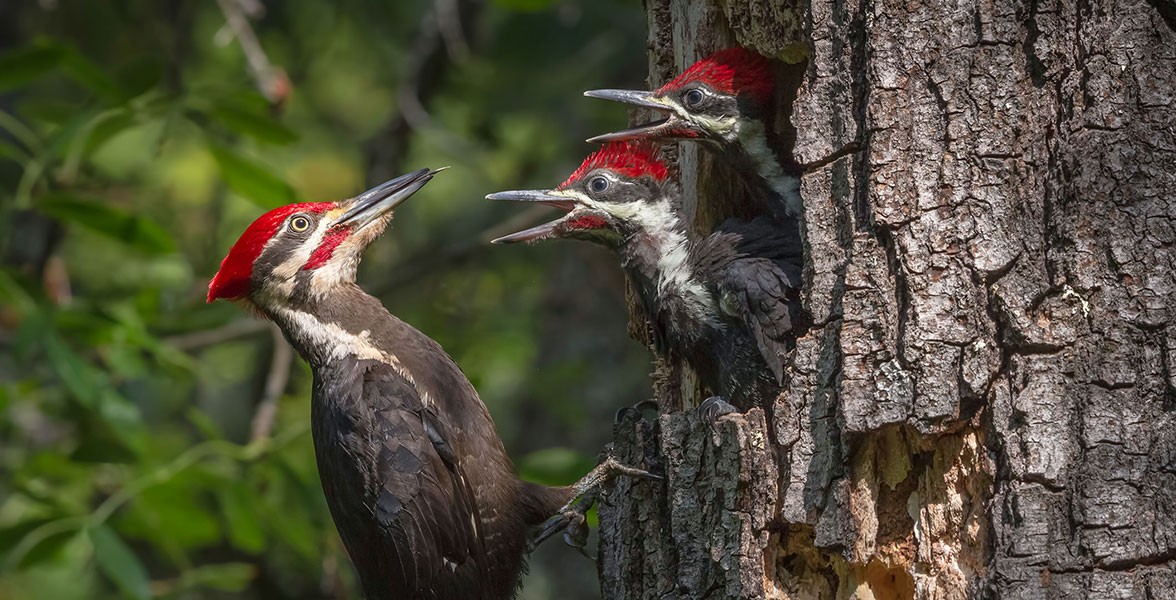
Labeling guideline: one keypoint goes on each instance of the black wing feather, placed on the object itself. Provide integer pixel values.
(399, 497)
(757, 267)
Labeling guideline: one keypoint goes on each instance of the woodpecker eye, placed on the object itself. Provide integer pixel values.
(598, 184)
(300, 223)
(692, 97)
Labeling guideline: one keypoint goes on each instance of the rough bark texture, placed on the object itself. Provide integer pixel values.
(985, 405)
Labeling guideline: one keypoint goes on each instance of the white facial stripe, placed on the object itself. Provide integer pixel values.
(284, 273)
(342, 343)
(660, 222)
(752, 137)
(339, 269)
(725, 126)
(572, 194)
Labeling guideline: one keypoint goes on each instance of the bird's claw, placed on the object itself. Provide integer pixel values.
(637, 409)
(572, 517)
(714, 407)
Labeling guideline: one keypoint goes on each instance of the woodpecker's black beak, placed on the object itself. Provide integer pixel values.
(380, 200)
(640, 98)
(671, 126)
(540, 196)
(539, 231)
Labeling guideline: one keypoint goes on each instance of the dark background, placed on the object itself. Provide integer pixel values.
(135, 146)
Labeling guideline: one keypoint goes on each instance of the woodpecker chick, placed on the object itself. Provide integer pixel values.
(727, 303)
(417, 480)
(724, 101)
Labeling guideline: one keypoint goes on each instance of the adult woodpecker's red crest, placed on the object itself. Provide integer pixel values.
(307, 248)
(232, 280)
(734, 71)
(633, 158)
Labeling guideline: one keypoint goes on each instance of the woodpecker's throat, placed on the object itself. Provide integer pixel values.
(659, 256)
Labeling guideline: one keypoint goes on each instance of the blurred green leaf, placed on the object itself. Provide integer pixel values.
(250, 180)
(241, 508)
(12, 152)
(225, 577)
(204, 424)
(116, 560)
(72, 370)
(13, 295)
(46, 550)
(177, 512)
(136, 231)
(140, 74)
(525, 5)
(26, 64)
(91, 76)
(257, 126)
(555, 466)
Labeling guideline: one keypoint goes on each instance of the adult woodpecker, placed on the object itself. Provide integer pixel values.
(418, 483)
(726, 102)
(727, 303)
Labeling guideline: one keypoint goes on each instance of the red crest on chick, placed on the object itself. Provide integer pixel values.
(627, 159)
(735, 71)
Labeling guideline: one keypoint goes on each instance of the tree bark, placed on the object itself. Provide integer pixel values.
(984, 407)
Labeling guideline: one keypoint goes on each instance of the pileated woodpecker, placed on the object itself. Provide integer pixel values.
(418, 483)
(726, 303)
(725, 101)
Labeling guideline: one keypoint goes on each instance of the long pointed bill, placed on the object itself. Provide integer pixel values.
(537, 232)
(540, 196)
(662, 128)
(378, 201)
(640, 98)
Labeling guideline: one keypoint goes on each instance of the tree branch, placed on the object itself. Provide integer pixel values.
(275, 384)
(272, 82)
(235, 330)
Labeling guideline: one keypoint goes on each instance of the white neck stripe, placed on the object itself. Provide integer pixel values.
(340, 343)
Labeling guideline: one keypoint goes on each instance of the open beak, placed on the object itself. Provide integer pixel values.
(540, 196)
(661, 128)
(539, 231)
(380, 200)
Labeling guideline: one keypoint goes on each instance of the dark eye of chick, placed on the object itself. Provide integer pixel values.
(598, 184)
(692, 98)
(299, 223)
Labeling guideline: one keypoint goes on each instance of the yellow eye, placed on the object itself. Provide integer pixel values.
(300, 223)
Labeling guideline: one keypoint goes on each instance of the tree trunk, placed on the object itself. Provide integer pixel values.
(984, 406)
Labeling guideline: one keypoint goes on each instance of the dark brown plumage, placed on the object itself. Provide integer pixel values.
(728, 303)
(418, 483)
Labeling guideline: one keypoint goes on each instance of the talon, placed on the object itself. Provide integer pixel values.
(713, 408)
(576, 532)
(637, 409)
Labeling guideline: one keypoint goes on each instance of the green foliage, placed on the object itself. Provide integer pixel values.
(250, 179)
(135, 147)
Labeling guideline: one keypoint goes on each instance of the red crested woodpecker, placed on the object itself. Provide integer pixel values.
(725, 102)
(727, 303)
(419, 485)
